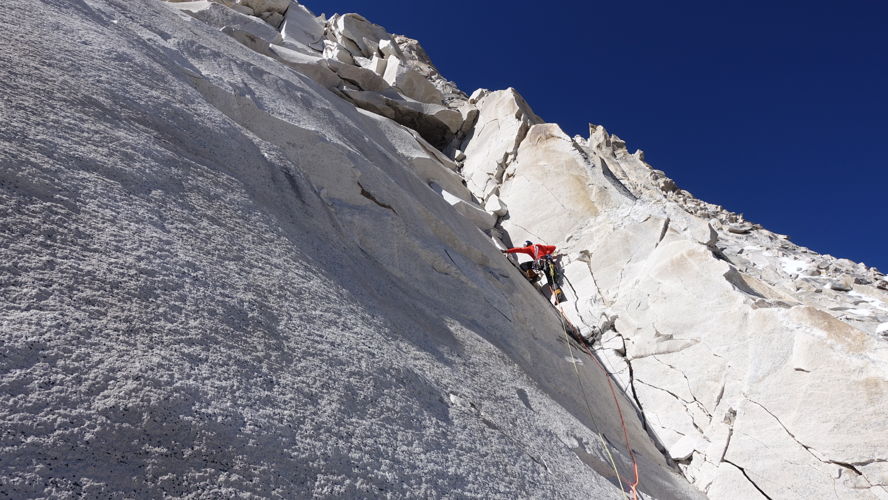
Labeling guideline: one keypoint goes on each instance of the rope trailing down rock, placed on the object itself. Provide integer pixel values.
(634, 485)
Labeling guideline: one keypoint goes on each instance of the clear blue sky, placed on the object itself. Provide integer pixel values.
(777, 110)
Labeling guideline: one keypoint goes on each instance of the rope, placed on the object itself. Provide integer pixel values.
(591, 414)
(634, 485)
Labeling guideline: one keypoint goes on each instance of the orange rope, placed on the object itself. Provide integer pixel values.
(604, 442)
(585, 348)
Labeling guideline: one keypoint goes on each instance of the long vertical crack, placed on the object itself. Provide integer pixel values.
(639, 409)
(644, 423)
(730, 416)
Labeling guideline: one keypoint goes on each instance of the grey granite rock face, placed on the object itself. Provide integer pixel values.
(220, 278)
(241, 262)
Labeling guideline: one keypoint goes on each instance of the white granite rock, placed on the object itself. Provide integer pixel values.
(411, 83)
(219, 16)
(417, 60)
(501, 125)
(477, 95)
(433, 168)
(685, 447)
(740, 228)
(496, 206)
(452, 119)
(436, 124)
(243, 265)
(549, 170)
(481, 218)
(389, 49)
(260, 6)
(376, 64)
(363, 33)
(300, 25)
(843, 285)
(470, 116)
(363, 78)
(336, 52)
(731, 482)
(312, 66)
(701, 231)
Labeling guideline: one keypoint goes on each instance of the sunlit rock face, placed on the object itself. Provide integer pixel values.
(248, 250)
(758, 365)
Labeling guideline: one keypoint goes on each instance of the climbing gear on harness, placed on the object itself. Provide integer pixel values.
(532, 275)
(554, 278)
(543, 265)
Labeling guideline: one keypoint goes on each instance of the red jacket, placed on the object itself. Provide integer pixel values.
(536, 251)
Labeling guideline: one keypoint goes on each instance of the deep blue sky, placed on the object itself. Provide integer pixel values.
(778, 110)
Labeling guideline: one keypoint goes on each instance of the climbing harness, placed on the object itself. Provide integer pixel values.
(558, 298)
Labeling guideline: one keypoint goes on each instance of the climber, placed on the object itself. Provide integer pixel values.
(542, 261)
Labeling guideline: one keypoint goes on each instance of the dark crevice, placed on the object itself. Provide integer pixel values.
(743, 471)
(847, 466)
(857, 471)
(291, 180)
(720, 395)
(644, 424)
(667, 391)
(349, 80)
(663, 231)
(451, 258)
(369, 196)
(642, 416)
(730, 416)
(613, 179)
